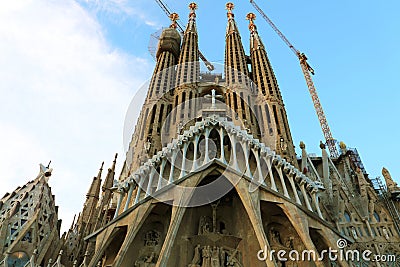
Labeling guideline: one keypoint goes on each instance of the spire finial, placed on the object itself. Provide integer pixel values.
(192, 6)
(230, 6)
(174, 17)
(251, 17)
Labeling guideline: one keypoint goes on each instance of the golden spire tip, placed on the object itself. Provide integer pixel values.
(174, 17)
(193, 6)
(230, 6)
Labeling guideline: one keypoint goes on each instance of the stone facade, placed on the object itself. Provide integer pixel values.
(211, 179)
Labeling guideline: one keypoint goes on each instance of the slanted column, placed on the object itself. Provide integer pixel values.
(138, 191)
(6, 259)
(160, 176)
(260, 173)
(183, 167)
(278, 167)
(271, 175)
(246, 149)
(171, 174)
(233, 141)
(303, 190)
(221, 135)
(291, 175)
(130, 192)
(195, 146)
(120, 192)
(206, 155)
(315, 199)
(151, 177)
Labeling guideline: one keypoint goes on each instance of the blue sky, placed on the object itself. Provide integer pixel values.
(69, 69)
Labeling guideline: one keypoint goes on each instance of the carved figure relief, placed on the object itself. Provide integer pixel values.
(149, 261)
(205, 225)
(152, 238)
(208, 256)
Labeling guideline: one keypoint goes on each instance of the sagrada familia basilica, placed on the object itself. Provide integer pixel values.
(211, 179)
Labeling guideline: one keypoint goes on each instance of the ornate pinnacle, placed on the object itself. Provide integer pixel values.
(174, 17)
(251, 17)
(230, 6)
(192, 7)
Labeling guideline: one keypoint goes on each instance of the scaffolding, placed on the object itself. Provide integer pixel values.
(389, 201)
(356, 160)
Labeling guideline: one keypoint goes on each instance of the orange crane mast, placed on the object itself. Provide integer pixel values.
(307, 71)
(208, 64)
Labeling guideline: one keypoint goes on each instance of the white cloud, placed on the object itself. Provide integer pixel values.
(124, 9)
(63, 96)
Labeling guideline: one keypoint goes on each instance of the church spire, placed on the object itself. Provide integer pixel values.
(236, 70)
(264, 78)
(106, 195)
(158, 103)
(94, 189)
(167, 55)
(189, 66)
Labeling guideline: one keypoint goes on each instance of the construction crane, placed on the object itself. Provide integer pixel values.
(307, 71)
(209, 66)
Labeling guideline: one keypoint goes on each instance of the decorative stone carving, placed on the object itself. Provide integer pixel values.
(207, 256)
(205, 225)
(197, 257)
(388, 178)
(206, 251)
(147, 261)
(233, 260)
(275, 237)
(152, 238)
(215, 257)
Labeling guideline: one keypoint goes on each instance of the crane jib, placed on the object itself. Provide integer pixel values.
(307, 69)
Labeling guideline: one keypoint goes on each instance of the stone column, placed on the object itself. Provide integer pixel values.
(195, 145)
(151, 176)
(139, 189)
(246, 150)
(206, 155)
(279, 170)
(271, 175)
(221, 135)
(183, 167)
(303, 190)
(291, 180)
(120, 192)
(260, 173)
(316, 202)
(130, 192)
(171, 174)
(233, 142)
(160, 176)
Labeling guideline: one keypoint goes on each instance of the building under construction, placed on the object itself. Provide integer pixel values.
(212, 179)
